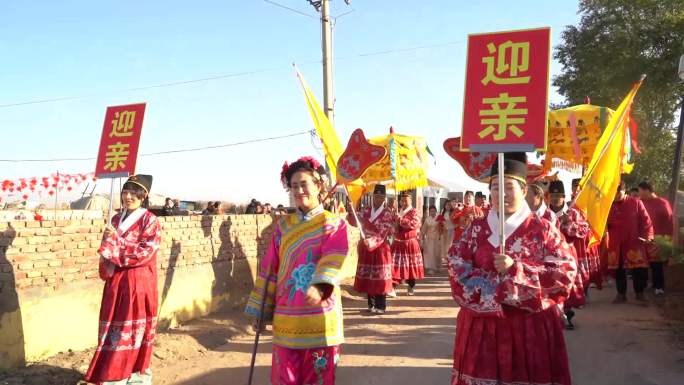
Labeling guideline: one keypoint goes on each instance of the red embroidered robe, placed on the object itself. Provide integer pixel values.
(128, 314)
(374, 268)
(660, 212)
(508, 329)
(464, 218)
(627, 222)
(576, 230)
(408, 259)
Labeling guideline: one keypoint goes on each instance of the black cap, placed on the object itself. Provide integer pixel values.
(575, 182)
(144, 181)
(479, 194)
(515, 166)
(556, 187)
(406, 193)
(380, 189)
(539, 185)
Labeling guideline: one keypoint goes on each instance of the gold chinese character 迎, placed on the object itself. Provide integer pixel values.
(501, 120)
(116, 155)
(498, 64)
(122, 125)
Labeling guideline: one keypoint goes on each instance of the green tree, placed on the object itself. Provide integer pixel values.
(615, 42)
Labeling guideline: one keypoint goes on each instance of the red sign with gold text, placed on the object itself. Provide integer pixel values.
(506, 91)
(120, 140)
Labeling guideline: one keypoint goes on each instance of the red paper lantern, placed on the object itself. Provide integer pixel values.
(51, 192)
(25, 197)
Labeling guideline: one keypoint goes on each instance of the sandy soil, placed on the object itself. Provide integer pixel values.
(627, 344)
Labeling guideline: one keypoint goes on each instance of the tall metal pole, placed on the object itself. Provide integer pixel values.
(326, 46)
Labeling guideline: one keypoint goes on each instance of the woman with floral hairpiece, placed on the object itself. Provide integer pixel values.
(298, 282)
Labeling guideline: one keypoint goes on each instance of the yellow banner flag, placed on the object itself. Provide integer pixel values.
(331, 142)
(599, 185)
(332, 147)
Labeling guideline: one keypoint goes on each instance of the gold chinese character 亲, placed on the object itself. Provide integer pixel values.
(506, 62)
(122, 125)
(503, 119)
(116, 156)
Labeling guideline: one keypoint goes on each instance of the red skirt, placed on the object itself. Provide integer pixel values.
(408, 259)
(128, 322)
(522, 348)
(374, 270)
(592, 264)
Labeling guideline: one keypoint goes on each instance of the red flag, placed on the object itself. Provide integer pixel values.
(358, 157)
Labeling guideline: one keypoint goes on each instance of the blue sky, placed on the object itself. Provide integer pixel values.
(95, 50)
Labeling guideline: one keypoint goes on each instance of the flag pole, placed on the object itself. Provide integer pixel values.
(353, 210)
(111, 203)
(502, 245)
(56, 194)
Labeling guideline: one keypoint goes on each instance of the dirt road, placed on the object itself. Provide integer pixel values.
(412, 344)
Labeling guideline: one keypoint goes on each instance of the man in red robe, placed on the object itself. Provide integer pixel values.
(374, 269)
(481, 201)
(660, 212)
(463, 217)
(535, 199)
(629, 230)
(575, 229)
(591, 261)
(507, 328)
(128, 314)
(408, 259)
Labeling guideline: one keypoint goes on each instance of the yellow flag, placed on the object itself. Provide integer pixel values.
(331, 142)
(599, 185)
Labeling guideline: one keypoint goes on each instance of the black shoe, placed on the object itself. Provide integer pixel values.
(620, 298)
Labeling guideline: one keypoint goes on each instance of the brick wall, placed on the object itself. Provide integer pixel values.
(52, 253)
(49, 276)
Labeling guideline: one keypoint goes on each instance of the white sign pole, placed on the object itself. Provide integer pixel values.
(502, 216)
(111, 203)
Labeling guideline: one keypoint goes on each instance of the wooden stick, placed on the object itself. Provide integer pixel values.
(353, 210)
(331, 192)
(260, 325)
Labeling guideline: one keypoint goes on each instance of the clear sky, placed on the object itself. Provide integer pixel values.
(398, 63)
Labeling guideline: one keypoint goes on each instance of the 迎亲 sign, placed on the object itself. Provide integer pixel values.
(120, 141)
(506, 91)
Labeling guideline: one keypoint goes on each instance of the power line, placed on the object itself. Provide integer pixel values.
(307, 132)
(290, 9)
(232, 75)
(220, 77)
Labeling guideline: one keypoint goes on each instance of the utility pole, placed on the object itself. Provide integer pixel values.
(326, 47)
(323, 6)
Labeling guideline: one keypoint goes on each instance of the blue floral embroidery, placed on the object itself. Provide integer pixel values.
(320, 364)
(301, 277)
